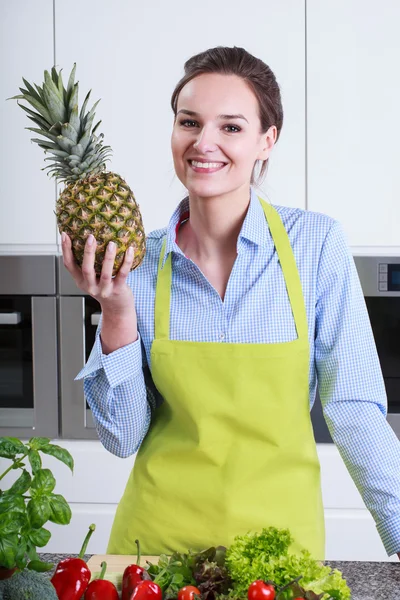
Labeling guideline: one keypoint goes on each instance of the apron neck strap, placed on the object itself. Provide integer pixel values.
(162, 304)
(289, 268)
(162, 307)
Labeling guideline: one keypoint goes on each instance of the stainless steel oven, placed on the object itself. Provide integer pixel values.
(29, 397)
(380, 281)
(79, 316)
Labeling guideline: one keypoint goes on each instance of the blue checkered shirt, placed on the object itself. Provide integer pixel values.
(256, 309)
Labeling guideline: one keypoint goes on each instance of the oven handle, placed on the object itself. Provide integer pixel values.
(10, 318)
(95, 318)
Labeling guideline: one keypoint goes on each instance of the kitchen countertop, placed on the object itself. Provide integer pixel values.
(367, 580)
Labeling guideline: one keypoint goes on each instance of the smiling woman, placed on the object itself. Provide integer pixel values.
(206, 360)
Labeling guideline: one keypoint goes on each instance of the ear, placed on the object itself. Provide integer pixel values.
(267, 142)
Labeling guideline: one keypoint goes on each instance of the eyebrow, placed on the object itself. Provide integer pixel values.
(192, 113)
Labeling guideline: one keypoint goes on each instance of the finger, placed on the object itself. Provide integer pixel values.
(107, 266)
(68, 258)
(88, 271)
(120, 278)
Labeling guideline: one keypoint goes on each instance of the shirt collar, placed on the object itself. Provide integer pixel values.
(254, 228)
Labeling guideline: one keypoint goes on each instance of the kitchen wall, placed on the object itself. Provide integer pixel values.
(336, 62)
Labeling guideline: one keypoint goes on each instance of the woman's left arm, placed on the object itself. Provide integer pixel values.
(352, 389)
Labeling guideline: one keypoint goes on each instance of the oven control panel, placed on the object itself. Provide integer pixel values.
(379, 275)
(389, 277)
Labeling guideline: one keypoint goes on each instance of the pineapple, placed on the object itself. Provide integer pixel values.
(93, 201)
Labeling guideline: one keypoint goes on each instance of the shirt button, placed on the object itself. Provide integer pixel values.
(222, 336)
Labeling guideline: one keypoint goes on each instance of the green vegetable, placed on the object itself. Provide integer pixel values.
(172, 573)
(266, 556)
(27, 585)
(29, 502)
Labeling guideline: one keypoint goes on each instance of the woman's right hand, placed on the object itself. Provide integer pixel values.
(113, 293)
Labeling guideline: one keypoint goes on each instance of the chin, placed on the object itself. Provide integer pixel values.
(209, 189)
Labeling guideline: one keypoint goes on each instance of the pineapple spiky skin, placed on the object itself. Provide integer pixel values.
(105, 206)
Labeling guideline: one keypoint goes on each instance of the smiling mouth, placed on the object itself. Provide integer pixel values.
(206, 167)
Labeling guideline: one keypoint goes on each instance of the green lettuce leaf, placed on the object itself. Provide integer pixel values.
(266, 556)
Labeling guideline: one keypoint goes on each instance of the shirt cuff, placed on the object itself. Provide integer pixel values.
(389, 531)
(123, 364)
(93, 363)
(119, 366)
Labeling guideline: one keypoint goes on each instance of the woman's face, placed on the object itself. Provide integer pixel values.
(217, 124)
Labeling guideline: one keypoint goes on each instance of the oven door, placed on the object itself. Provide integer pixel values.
(384, 314)
(28, 366)
(79, 317)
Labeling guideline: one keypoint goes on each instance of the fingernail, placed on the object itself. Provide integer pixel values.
(90, 240)
(63, 237)
(130, 252)
(111, 246)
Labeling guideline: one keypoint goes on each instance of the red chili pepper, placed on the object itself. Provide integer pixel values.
(147, 590)
(133, 575)
(99, 589)
(72, 575)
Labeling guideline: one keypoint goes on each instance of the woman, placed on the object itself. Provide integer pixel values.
(207, 356)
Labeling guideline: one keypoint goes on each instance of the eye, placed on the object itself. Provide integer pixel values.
(188, 123)
(233, 128)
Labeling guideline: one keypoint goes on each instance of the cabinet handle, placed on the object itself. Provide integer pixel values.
(10, 318)
(95, 318)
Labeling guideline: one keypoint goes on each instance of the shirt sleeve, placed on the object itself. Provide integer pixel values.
(352, 389)
(115, 387)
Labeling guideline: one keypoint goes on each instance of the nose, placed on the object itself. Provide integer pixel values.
(205, 141)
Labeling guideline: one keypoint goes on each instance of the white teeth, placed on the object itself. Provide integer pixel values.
(206, 165)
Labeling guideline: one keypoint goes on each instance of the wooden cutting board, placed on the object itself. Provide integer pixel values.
(116, 564)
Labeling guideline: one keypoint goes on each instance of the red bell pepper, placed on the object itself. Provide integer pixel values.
(72, 575)
(133, 575)
(147, 590)
(99, 589)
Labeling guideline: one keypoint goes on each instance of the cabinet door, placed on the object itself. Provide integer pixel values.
(353, 118)
(132, 54)
(27, 193)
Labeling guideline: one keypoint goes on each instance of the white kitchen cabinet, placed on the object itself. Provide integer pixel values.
(353, 119)
(27, 193)
(135, 58)
(99, 480)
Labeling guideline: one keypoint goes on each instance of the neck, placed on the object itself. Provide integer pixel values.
(213, 226)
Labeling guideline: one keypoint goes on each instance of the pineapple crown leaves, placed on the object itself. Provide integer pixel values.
(76, 152)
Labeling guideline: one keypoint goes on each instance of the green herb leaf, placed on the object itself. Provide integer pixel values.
(39, 511)
(21, 485)
(31, 551)
(18, 465)
(20, 558)
(40, 566)
(43, 482)
(60, 510)
(35, 460)
(8, 547)
(39, 537)
(29, 502)
(12, 503)
(17, 443)
(37, 443)
(11, 522)
(60, 453)
(9, 448)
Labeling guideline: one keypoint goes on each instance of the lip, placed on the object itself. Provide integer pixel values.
(202, 170)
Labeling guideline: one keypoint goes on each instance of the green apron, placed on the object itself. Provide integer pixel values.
(231, 449)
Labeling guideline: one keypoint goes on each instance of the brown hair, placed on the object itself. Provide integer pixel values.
(258, 75)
